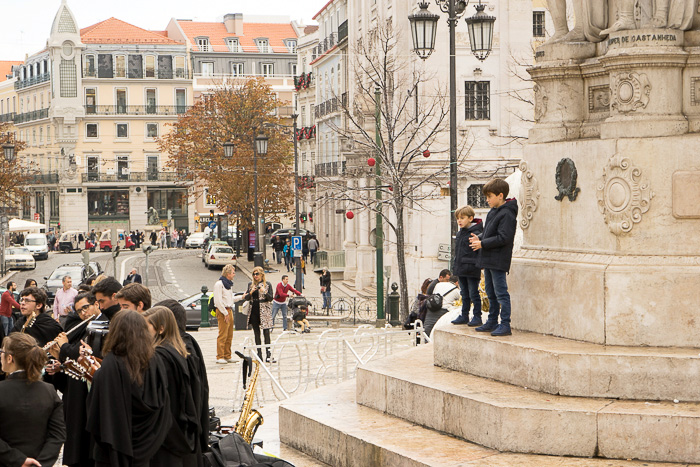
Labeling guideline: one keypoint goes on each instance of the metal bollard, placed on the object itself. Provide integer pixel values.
(393, 302)
(204, 302)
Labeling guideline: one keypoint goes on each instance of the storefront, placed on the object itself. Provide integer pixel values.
(173, 200)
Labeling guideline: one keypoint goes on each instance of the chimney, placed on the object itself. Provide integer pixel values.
(234, 23)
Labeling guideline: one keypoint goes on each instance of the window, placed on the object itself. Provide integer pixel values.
(112, 203)
(151, 101)
(237, 69)
(120, 66)
(152, 167)
(203, 44)
(232, 44)
(292, 46)
(104, 66)
(210, 199)
(93, 168)
(263, 46)
(41, 135)
(89, 69)
(294, 69)
(303, 116)
(121, 101)
(180, 67)
(150, 66)
(90, 100)
(207, 68)
(123, 167)
(165, 67)
(268, 69)
(135, 70)
(538, 23)
(180, 101)
(122, 130)
(475, 197)
(151, 130)
(54, 205)
(91, 130)
(477, 100)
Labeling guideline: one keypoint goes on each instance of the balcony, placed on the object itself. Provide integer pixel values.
(328, 43)
(31, 116)
(150, 176)
(330, 169)
(343, 31)
(43, 179)
(331, 105)
(136, 109)
(5, 118)
(32, 81)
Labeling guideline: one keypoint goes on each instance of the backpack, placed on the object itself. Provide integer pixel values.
(434, 301)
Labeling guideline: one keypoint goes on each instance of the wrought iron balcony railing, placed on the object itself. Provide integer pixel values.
(149, 176)
(31, 116)
(136, 109)
(21, 84)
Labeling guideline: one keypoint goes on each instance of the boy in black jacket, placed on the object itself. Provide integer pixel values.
(464, 266)
(495, 251)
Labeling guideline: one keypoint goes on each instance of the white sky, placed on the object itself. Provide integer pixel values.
(25, 24)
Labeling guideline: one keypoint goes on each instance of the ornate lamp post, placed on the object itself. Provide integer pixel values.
(423, 30)
(8, 149)
(259, 148)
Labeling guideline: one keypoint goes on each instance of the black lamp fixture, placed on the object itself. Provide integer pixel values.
(229, 147)
(261, 144)
(8, 149)
(423, 29)
(481, 32)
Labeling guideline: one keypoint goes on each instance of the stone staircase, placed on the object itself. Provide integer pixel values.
(470, 399)
(349, 287)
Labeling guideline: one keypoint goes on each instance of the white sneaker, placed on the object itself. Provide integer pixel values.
(221, 360)
(232, 360)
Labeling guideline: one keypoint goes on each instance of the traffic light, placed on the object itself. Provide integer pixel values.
(311, 216)
(303, 217)
(211, 214)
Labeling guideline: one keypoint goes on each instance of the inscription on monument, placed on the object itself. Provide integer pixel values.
(695, 90)
(632, 38)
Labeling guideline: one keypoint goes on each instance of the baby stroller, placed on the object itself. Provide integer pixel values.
(295, 305)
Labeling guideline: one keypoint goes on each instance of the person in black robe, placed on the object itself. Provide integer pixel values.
(199, 381)
(41, 326)
(179, 447)
(105, 293)
(128, 405)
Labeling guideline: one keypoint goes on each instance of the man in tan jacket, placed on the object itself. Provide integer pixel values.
(223, 301)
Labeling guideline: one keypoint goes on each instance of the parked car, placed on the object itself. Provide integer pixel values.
(220, 255)
(207, 248)
(193, 310)
(77, 271)
(106, 244)
(19, 257)
(195, 240)
(71, 240)
(285, 234)
(37, 245)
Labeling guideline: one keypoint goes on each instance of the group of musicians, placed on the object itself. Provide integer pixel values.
(133, 383)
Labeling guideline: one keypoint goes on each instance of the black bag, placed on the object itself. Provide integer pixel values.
(434, 301)
(233, 451)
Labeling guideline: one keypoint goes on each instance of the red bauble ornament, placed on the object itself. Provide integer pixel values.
(371, 161)
(426, 153)
(349, 214)
(391, 188)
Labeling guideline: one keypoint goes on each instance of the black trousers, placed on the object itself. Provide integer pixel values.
(266, 334)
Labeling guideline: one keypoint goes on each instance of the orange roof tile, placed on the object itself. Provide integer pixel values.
(6, 68)
(115, 31)
(276, 33)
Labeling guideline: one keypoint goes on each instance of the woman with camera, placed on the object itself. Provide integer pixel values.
(259, 293)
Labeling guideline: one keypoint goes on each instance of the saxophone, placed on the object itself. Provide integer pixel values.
(250, 419)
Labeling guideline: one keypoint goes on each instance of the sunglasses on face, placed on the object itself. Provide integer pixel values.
(256, 273)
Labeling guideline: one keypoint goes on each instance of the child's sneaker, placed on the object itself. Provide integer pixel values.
(487, 327)
(502, 330)
(460, 320)
(476, 321)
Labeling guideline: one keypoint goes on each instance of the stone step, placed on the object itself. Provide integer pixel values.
(330, 427)
(517, 419)
(562, 366)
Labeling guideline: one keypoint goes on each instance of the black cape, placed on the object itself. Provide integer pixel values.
(44, 328)
(127, 422)
(200, 391)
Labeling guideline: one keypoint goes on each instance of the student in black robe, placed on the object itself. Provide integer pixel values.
(31, 426)
(41, 326)
(198, 376)
(179, 447)
(128, 408)
(105, 293)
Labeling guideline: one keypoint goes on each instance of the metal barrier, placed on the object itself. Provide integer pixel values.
(305, 363)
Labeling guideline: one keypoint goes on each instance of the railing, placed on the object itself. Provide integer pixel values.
(10, 117)
(21, 84)
(31, 116)
(151, 176)
(329, 259)
(329, 169)
(343, 31)
(178, 73)
(327, 43)
(43, 179)
(331, 105)
(136, 109)
(286, 111)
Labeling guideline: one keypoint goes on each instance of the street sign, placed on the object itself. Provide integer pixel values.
(297, 253)
(444, 248)
(442, 256)
(37, 216)
(212, 225)
(296, 243)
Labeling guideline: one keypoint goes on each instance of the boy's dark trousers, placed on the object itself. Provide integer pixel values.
(469, 290)
(499, 298)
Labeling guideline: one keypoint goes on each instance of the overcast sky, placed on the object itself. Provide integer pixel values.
(25, 24)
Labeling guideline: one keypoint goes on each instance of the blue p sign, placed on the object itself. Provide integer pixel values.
(296, 243)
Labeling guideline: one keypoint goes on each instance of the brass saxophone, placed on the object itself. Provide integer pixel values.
(250, 419)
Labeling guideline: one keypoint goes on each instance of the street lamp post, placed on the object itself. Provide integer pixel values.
(259, 148)
(298, 284)
(378, 229)
(423, 29)
(8, 149)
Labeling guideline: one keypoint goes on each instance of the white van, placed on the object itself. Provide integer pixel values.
(38, 246)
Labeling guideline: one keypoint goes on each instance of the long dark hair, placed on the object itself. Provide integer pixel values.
(26, 353)
(167, 332)
(129, 338)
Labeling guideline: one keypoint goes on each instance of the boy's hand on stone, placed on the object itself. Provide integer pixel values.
(474, 242)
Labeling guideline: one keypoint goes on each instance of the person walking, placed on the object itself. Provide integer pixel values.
(223, 302)
(63, 302)
(133, 276)
(7, 302)
(279, 248)
(288, 255)
(313, 248)
(325, 281)
(153, 238)
(279, 302)
(163, 238)
(259, 293)
(173, 238)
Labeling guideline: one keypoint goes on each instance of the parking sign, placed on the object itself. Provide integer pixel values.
(296, 243)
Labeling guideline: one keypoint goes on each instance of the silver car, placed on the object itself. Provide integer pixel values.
(19, 258)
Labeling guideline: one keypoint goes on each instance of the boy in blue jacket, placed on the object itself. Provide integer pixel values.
(464, 266)
(495, 246)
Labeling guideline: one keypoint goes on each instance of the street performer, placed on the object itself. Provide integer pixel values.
(41, 326)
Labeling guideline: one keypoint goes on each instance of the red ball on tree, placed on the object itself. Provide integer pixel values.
(349, 214)
(371, 161)
(426, 153)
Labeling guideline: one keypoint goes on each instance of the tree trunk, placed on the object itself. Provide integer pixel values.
(401, 260)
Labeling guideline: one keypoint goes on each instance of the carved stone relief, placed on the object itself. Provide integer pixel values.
(599, 98)
(695, 90)
(566, 178)
(540, 102)
(629, 91)
(623, 196)
(529, 195)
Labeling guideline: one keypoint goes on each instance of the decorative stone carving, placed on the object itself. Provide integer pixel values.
(566, 177)
(540, 101)
(630, 91)
(695, 90)
(529, 195)
(599, 98)
(623, 196)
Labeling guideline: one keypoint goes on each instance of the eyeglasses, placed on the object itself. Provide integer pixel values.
(84, 308)
(5, 352)
(26, 300)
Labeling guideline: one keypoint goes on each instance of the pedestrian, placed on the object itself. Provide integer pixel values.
(223, 302)
(128, 414)
(93, 236)
(153, 238)
(133, 276)
(63, 301)
(325, 281)
(305, 250)
(7, 302)
(449, 290)
(279, 301)
(162, 238)
(183, 238)
(134, 297)
(259, 293)
(299, 318)
(138, 237)
(173, 238)
(495, 246)
(41, 326)
(313, 248)
(32, 425)
(278, 245)
(51, 240)
(288, 255)
(465, 268)
(443, 276)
